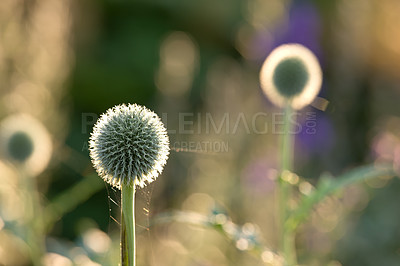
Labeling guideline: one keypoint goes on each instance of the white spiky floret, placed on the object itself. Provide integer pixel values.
(129, 145)
(291, 75)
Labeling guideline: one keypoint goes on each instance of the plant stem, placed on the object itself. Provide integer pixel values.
(34, 235)
(287, 237)
(128, 245)
(329, 185)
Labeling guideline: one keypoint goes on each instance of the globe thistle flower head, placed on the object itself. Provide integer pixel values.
(20, 146)
(129, 145)
(291, 75)
(25, 142)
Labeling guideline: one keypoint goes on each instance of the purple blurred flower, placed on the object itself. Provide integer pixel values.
(386, 148)
(317, 136)
(303, 27)
(259, 176)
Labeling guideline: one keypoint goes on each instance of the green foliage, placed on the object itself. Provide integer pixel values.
(328, 185)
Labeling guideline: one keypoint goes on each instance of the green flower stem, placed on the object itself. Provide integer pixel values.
(128, 245)
(287, 237)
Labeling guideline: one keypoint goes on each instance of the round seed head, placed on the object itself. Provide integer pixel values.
(25, 142)
(129, 145)
(291, 75)
(20, 146)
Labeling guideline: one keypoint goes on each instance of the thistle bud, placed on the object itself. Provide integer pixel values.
(25, 142)
(291, 75)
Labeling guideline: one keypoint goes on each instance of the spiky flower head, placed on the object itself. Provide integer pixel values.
(25, 142)
(291, 75)
(129, 145)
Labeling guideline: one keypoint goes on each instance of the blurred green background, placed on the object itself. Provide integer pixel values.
(65, 62)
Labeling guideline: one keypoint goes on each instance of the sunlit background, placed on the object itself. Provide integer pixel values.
(195, 63)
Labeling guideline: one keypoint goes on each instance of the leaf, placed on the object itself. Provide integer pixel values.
(329, 185)
(71, 198)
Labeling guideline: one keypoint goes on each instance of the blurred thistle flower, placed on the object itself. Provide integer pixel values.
(25, 142)
(291, 75)
(129, 145)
